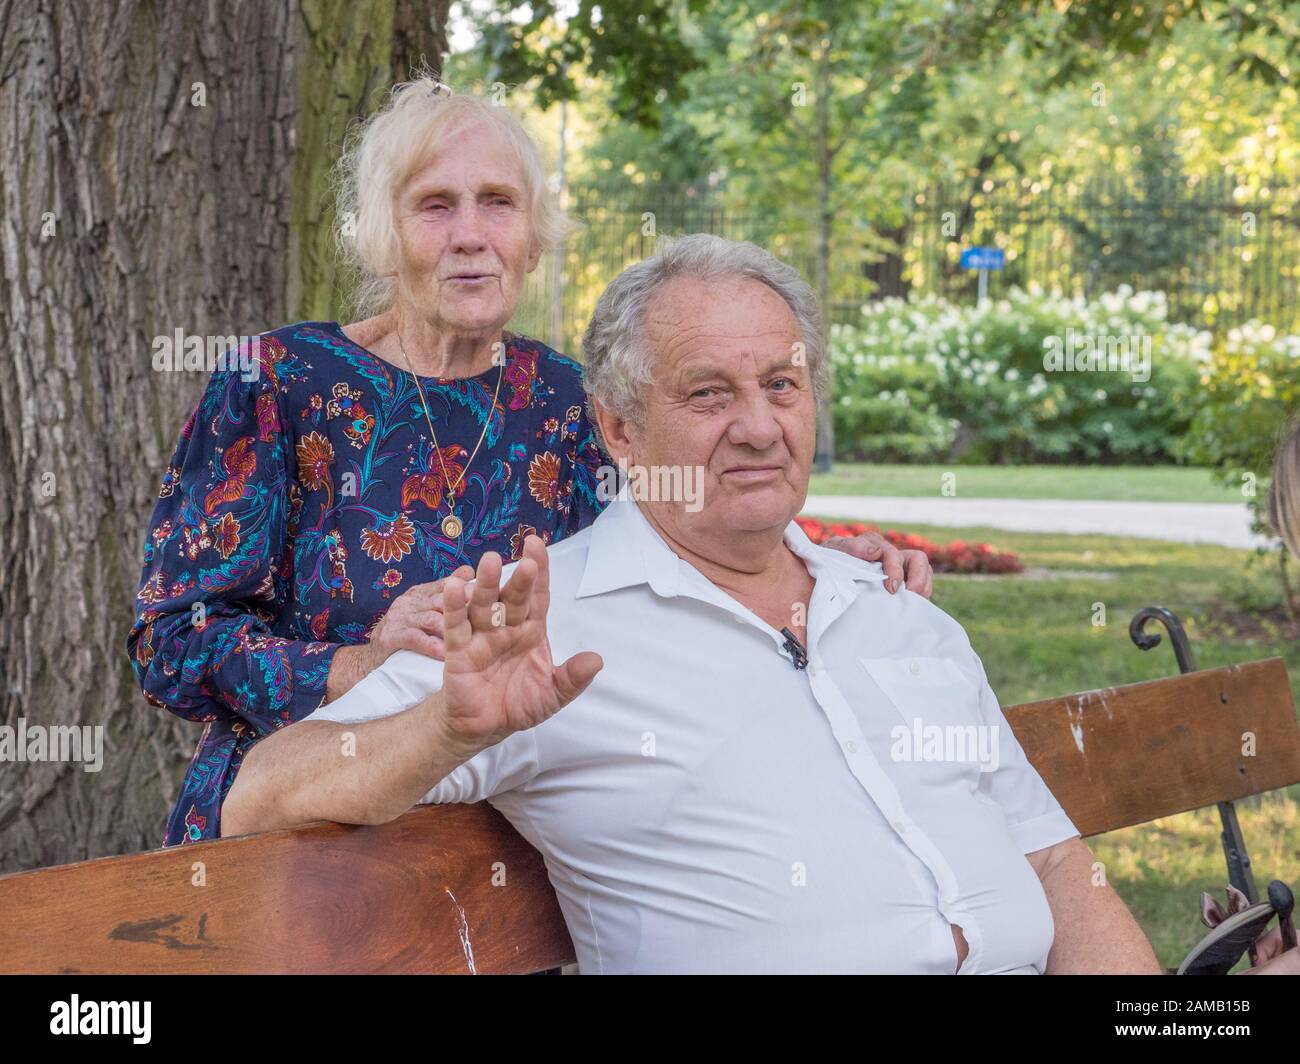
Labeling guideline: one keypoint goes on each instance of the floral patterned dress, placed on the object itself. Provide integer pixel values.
(303, 500)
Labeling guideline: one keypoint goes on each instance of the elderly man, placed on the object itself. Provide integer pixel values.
(734, 784)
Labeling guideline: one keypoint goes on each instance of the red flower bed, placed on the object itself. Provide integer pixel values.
(957, 557)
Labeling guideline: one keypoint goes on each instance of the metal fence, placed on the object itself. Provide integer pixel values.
(1221, 251)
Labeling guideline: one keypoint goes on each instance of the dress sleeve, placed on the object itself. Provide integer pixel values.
(589, 470)
(218, 572)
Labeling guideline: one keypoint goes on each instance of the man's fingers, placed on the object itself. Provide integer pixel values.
(483, 594)
(576, 674)
(516, 596)
(540, 602)
(455, 614)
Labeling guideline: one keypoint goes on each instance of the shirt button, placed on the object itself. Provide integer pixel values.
(851, 747)
(900, 826)
(915, 668)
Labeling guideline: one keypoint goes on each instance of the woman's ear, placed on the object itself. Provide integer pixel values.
(534, 256)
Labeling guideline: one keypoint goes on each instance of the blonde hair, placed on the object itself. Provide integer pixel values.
(1284, 491)
(383, 152)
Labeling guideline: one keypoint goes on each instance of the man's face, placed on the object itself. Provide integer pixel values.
(732, 393)
(466, 238)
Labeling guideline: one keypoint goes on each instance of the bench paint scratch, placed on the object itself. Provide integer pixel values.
(1076, 726)
(463, 931)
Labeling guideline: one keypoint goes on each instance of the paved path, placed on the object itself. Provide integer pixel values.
(1227, 524)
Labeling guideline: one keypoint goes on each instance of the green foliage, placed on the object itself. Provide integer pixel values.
(1249, 387)
(928, 380)
(636, 46)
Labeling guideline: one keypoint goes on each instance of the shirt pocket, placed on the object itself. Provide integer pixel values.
(939, 708)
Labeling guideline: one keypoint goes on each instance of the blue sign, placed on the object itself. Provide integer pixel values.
(982, 259)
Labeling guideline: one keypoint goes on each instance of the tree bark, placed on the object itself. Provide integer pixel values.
(164, 168)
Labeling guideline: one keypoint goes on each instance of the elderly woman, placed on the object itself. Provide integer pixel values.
(1284, 491)
(309, 515)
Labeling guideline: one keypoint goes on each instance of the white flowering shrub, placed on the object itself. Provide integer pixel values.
(1248, 390)
(1033, 377)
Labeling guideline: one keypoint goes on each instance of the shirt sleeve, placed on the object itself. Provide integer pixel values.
(217, 570)
(406, 678)
(1034, 816)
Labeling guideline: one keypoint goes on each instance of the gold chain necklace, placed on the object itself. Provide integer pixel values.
(451, 524)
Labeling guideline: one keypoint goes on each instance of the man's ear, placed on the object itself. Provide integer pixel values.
(614, 430)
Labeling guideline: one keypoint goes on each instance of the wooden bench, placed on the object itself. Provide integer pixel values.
(453, 889)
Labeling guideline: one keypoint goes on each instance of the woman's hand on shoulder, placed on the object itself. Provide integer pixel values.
(903, 568)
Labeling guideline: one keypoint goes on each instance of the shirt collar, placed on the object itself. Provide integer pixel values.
(625, 550)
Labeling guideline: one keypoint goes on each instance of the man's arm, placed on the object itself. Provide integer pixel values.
(498, 679)
(358, 773)
(1095, 932)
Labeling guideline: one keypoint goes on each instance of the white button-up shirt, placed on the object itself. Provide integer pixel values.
(705, 806)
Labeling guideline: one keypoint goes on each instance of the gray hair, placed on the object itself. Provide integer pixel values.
(615, 356)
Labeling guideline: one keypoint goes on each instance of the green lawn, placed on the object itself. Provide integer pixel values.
(1035, 635)
(1124, 483)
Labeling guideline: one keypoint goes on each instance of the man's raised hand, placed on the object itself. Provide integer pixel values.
(499, 677)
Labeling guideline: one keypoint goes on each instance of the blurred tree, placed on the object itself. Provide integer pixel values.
(820, 108)
(165, 168)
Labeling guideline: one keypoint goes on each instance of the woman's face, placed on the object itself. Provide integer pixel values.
(465, 234)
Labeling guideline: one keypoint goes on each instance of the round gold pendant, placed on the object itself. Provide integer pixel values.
(451, 526)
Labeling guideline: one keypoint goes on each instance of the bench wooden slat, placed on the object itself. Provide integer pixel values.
(1166, 745)
(334, 899)
(326, 898)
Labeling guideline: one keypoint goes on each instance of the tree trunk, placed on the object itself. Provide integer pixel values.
(824, 454)
(165, 168)
(886, 274)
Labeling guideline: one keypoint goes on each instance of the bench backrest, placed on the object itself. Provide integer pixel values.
(453, 889)
(1127, 755)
